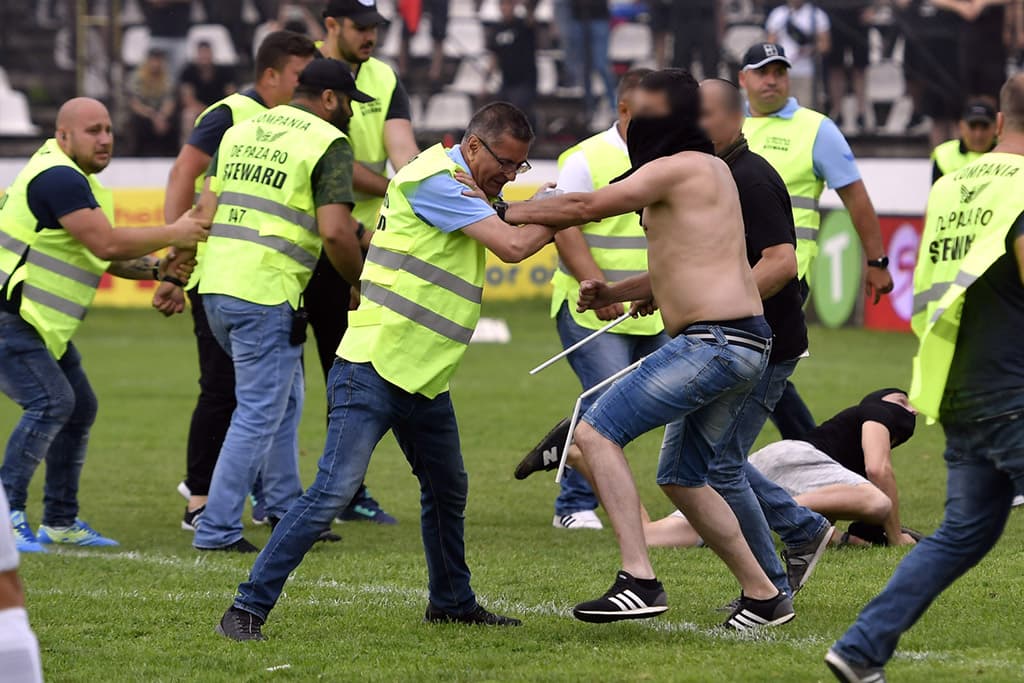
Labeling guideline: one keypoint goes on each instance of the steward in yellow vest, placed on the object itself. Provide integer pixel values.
(279, 189)
(977, 136)
(421, 291)
(968, 373)
(56, 242)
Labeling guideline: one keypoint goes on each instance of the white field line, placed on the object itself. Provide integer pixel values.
(341, 593)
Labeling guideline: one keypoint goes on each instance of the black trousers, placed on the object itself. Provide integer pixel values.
(693, 25)
(791, 416)
(326, 300)
(212, 415)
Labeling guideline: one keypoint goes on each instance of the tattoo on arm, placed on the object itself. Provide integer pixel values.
(143, 268)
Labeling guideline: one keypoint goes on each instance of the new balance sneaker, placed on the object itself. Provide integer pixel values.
(78, 533)
(547, 454)
(237, 624)
(191, 518)
(24, 539)
(801, 561)
(364, 508)
(239, 546)
(477, 617)
(848, 672)
(626, 599)
(754, 614)
(259, 511)
(184, 491)
(584, 519)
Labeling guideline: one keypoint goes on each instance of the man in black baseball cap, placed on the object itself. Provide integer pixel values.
(329, 75)
(977, 136)
(762, 54)
(361, 12)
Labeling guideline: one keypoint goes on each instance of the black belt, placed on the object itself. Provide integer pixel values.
(732, 336)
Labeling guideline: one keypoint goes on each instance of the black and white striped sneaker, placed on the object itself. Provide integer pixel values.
(626, 599)
(848, 672)
(753, 614)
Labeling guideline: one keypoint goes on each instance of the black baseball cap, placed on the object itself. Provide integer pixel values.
(765, 53)
(362, 12)
(330, 74)
(979, 111)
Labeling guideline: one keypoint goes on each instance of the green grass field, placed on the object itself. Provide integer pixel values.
(146, 611)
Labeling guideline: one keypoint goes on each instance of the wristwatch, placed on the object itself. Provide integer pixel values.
(882, 262)
(500, 207)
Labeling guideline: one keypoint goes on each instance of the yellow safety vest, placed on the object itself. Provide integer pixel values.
(949, 158)
(57, 273)
(264, 242)
(618, 244)
(969, 213)
(421, 290)
(366, 130)
(788, 145)
(242, 107)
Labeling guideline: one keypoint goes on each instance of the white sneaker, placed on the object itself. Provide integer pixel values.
(1018, 501)
(183, 491)
(584, 519)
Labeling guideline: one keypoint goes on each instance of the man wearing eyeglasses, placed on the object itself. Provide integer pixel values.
(422, 284)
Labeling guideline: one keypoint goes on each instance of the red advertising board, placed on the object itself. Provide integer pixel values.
(902, 238)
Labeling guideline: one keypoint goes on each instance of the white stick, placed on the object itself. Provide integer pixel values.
(576, 413)
(589, 338)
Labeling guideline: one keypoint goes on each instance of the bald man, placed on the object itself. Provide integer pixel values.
(56, 241)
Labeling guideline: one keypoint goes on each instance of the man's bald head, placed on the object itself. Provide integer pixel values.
(721, 112)
(1011, 104)
(84, 133)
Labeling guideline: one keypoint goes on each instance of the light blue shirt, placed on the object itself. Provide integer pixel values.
(833, 158)
(439, 201)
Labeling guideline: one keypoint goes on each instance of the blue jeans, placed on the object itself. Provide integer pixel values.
(985, 461)
(752, 496)
(263, 436)
(595, 35)
(363, 407)
(60, 408)
(695, 386)
(594, 362)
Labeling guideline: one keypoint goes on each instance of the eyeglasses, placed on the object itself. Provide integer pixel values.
(507, 165)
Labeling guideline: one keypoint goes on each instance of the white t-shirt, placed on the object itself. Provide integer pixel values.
(811, 20)
(574, 175)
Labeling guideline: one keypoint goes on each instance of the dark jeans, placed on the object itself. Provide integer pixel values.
(60, 408)
(791, 416)
(985, 461)
(363, 407)
(212, 415)
(693, 25)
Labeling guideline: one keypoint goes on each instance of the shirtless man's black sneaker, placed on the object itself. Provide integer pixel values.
(546, 455)
(478, 616)
(237, 624)
(753, 614)
(848, 672)
(801, 562)
(239, 546)
(628, 598)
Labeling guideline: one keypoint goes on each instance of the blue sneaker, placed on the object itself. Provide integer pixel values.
(78, 533)
(25, 540)
(364, 508)
(259, 511)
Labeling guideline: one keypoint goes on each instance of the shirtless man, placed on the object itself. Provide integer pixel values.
(701, 281)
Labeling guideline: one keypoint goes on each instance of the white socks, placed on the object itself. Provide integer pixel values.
(19, 649)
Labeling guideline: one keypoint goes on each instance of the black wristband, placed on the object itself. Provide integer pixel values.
(174, 281)
(156, 272)
(360, 231)
(500, 207)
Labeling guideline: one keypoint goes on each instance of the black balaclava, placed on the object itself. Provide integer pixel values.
(901, 422)
(652, 137)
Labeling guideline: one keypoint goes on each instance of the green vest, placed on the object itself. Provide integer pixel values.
(969, 212)
(788, 145)
(366, 130)
(264, 242)
(949, 158)
(421, 290)
(242, 107)
(618, 245)
(59, 275)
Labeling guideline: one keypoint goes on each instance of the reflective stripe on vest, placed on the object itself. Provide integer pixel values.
(264, 242)
(618, 244)
(788, 145)
(421, 290)
(972, 208)
(366, 130)
(58, 303)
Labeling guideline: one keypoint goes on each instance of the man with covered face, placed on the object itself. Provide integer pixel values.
(701, 281)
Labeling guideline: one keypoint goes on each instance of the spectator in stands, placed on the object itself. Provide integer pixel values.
(168, 22)
(152, 103)
(513, 54)
(803, 31)
(201, 84)
(586, 49)
(849, 20)
(977, 136)
(438, 11)
(697, 29)
(982, 48)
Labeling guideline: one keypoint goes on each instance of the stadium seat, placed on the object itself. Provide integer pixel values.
(421, 44)
(547, 74)
(134, 45)
(465, 38)
(416, 109)
(469, 78)
(738, 39)
(15, 120)
(630, 43)
(132, 13)
(217, 36)
(390, 39)
(463, 9)
(885, 82)
(545, 12)
(490, 12)
(447, 111)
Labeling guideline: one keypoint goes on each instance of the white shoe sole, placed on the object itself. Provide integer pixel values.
(595, 617)
(594, 524)
(745, 627)
(812, 565)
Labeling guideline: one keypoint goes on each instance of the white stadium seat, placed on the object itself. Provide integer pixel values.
(885, 82)
(421, 44)
(545, 12)
(465, 38)
(630, 43)
(462, 9)
(469, 78)
(547, 75)
(14, 115)
(448, 111)
(490, 12)
(134, 45)
(217, 36)
(738, 39)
